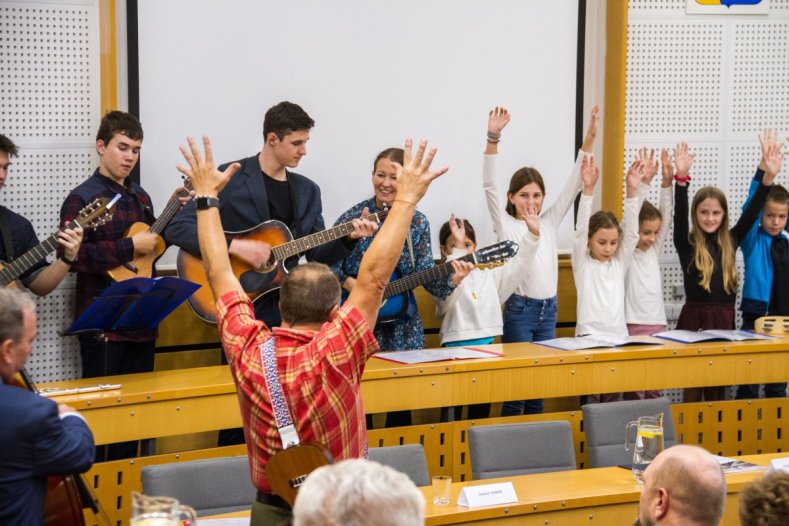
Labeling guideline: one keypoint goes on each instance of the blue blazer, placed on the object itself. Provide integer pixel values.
(35, 443)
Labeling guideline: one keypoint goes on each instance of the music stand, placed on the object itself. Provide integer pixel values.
(133, 304)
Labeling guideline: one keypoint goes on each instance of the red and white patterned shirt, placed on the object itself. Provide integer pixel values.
(320, 373)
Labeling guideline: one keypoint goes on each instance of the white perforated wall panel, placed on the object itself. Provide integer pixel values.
(49, 106)
(714, 82)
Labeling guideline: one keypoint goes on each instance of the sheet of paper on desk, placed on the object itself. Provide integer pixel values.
(730, 465)
(436, 355)
(596, 341)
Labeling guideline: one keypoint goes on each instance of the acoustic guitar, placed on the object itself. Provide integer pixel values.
(142, 264)
(95, 213)
(399, 301)
(258, 282)
(287, 470)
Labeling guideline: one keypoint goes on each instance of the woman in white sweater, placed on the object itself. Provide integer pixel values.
(530, 312)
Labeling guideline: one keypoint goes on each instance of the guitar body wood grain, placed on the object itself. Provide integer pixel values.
(142, 262)
(256, 282)
(287, 469)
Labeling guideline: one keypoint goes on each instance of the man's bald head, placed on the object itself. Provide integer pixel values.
(684, 485)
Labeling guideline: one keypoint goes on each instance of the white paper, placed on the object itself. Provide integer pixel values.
(487, 495)
(435, 355)
(778, 464)
(244, 521)
(597, 341)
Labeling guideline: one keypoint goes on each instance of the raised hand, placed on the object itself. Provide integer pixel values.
(649, 162)
(634, 175)
(683, 160)
(206, 179)
(589, 174)
(773, 159)
(767, 138)
(591, 130)
(667, 167)
(498, 118)
(532, 219)
(363, 227)
(415, 176)
(458, 229)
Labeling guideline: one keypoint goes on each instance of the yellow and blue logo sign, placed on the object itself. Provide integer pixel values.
(729, 3)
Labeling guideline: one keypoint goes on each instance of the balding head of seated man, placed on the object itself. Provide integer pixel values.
(358, 492)
(684, 485)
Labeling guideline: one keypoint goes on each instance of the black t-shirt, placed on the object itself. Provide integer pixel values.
(779, 295)
(280, 203)
(23, 238)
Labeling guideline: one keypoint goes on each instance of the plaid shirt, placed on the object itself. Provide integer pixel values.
(106, 247)
(320, 373)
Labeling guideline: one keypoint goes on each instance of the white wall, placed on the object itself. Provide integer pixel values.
(370, 74)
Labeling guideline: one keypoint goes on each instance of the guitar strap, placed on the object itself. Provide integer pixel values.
(5, 233)
(285, 426)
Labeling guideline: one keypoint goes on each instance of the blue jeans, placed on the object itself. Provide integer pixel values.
(527, 320)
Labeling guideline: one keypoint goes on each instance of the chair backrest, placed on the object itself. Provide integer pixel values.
(210, 486)
(408, 459)
(772, 324)
(604, 425)
(519, 449)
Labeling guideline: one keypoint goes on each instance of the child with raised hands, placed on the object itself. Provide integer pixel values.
(530, 312)
(645, 312)
(707, 250)
(602, 252)
(765, 251)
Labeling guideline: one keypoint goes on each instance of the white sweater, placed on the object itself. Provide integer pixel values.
(473, 310)
(540, 280)
(601, 284)
(644, 283)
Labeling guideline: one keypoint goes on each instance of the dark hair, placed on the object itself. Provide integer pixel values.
(393, 154)
(308, 294)
(445, 233)
(778, 194)
(284, 118)
(519, 179)
(648, 212)
(115, 122)
(8, 146)
(601, 220)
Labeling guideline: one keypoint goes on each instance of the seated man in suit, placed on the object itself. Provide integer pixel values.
(318, 355)
(38, 437)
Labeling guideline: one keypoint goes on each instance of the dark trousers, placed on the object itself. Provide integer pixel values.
(749, 392)
(105, 358)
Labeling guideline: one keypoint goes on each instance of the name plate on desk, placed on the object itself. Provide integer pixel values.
(779, 464)
(487, 495)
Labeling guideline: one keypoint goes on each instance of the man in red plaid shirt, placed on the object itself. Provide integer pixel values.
(321, 347)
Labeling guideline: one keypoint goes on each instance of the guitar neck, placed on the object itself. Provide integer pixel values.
(426, 276)
(303, 244)
(170, 209)
(23, 263)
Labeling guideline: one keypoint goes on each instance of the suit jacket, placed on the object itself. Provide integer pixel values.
(243, 204)
(34, 443)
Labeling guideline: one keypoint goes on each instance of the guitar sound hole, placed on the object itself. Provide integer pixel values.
(268, 266)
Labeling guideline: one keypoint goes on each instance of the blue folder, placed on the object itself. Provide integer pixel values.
(133, 304)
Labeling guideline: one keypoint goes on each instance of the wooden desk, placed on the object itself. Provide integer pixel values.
(201, 399)
(587, 496)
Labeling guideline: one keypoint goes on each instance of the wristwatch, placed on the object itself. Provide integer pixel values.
(68, 261)
(204, 202)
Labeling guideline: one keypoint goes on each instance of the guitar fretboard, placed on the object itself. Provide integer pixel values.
(297, 246)
(426, 276)
(171, 208)
(26, 261)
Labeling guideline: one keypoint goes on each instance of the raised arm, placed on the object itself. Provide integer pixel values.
(772, 160)
(498, 118)
(683, 161)
(666, 200)
(589, 175)
(208, 181)
(381, 257)
(510, 275)
(555, 214)
(636, 175)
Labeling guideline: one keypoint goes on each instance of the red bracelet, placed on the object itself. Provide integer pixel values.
(681, 179)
